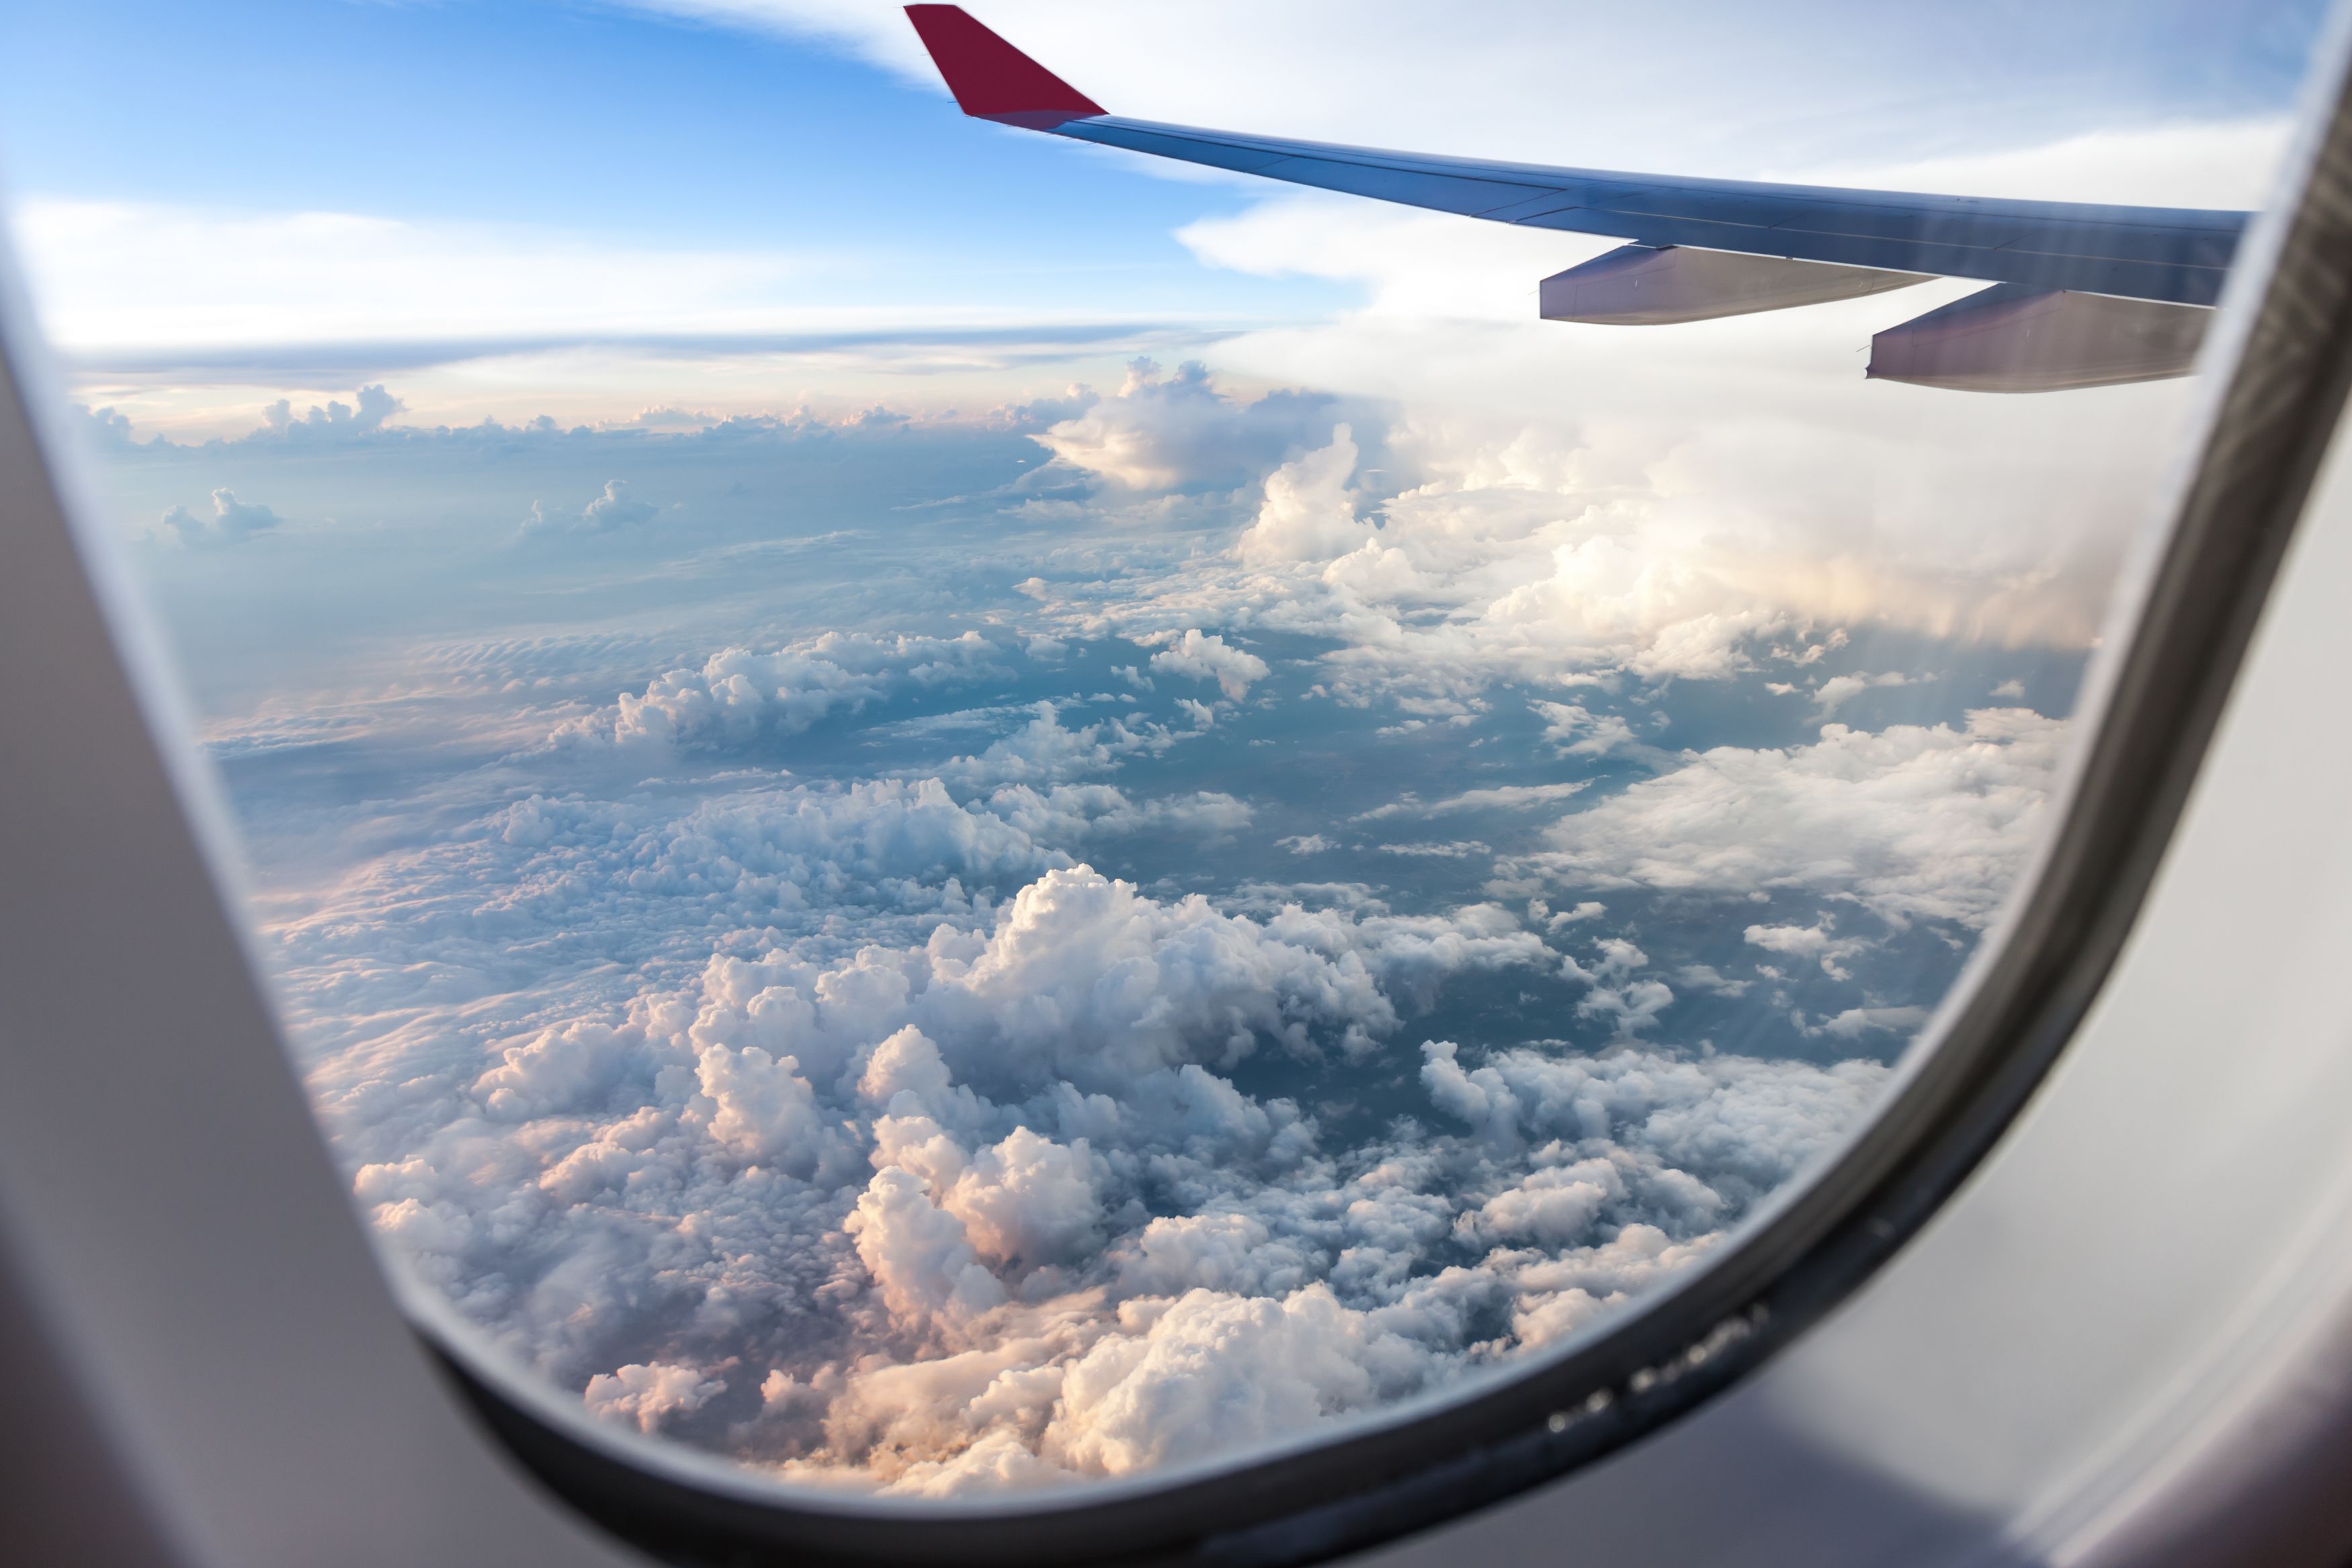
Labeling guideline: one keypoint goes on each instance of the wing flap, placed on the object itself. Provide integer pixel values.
(1639, 285)
(2012, 339)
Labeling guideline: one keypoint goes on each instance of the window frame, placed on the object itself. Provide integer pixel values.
(2277, 372)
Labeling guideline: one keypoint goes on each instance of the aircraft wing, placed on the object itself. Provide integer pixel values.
(2084, 295)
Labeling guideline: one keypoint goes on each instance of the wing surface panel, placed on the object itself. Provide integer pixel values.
(2175, 255)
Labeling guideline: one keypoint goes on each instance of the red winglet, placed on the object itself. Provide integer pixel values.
(990, 78)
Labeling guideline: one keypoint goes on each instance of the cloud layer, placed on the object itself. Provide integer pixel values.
(1199, 916)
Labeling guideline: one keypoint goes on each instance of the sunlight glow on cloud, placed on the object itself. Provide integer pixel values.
(115, 275)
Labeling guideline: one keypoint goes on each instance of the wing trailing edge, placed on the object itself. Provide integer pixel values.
(2090, 295)
(1650, 285)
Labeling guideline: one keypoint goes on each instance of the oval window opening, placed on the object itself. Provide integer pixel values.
(1003, 811)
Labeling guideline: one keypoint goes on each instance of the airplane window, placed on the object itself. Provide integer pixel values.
(957, 793)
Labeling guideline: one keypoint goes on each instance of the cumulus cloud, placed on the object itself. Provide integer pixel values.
(1499, 547)
(918, 1254)
(737, 693)
(1307, 513)
(979, 1200)
(615, 509)
(232, 521)
(1810, 941)
(1838, 690)
(1915, 822)
(1212, 1372)
(371, 407)
(1167, 433)
(1210, 658)
(105, 428)
(1046, 751)
(1188, 983)
(1579, 733)
(1619, 992)
(949, 1291)
(646, 1396)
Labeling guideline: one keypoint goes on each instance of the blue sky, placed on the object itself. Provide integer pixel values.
(578, 116)
(628, 129)
(602, 116)
(805, 141)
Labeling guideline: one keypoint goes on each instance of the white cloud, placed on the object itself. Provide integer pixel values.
(1813, 942)
(139, 275)
(1579, 733)
(1590, 550)
(1044, 751)
(1084, 973)
(1913, 823)
(371, 407)
(1308, 514)
(232, 521)
(1028, 1201)
(1855, 1022)
(736, 693)
(567, 1067)
(1456, 848)
(615, 509)
(1746, 1123)
(1705, 977)
(1214, 1373)
(1182, 431)
(919, 1255)
(1067, 813)
(648, 1396)
(1615, 993)
(1501, 798)
(1838, 690)
(762, 1110)
(1210, 658)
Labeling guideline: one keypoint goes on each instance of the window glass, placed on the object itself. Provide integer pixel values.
(952, 812)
